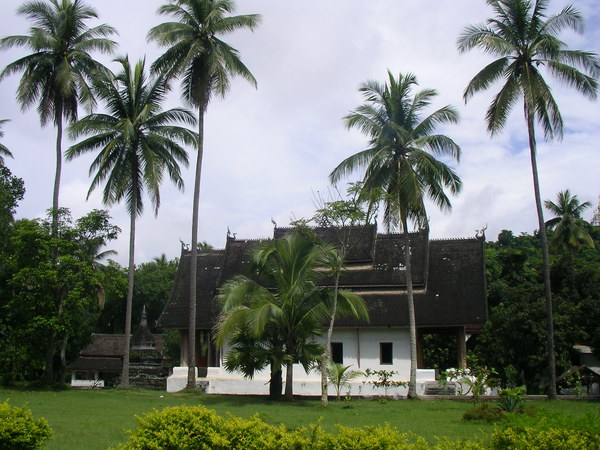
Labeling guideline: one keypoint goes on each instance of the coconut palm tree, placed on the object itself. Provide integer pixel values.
(570, 231)
(285, 307)
(137, 142)
(197, 53)
(57, 73)
(525, 41)
(3, 150)
(401, 160)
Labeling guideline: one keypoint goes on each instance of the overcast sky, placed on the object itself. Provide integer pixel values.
(269, 151)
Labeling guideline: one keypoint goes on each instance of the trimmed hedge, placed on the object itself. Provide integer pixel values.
(19, 430)
(196, 427)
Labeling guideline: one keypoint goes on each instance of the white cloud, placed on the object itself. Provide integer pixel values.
(268, 150)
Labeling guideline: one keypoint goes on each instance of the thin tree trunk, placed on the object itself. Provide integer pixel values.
(57, 174)
(412, 386)
(327, 353)
(289, 380)
(130, 274)
(545, 258)
(49, 369)
(325, 372)
(191, 381)
(63, 359)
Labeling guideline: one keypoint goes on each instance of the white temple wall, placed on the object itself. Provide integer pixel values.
(361, 350)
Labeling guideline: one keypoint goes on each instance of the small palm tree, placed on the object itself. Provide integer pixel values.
(570, 231)
(285, 307)
(401, 161)
(197, 53)
(56, 74)
(340, 377)
(3, 150)
(137, 143)
(525, 40)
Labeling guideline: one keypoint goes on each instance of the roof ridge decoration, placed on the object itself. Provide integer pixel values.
(457, 239)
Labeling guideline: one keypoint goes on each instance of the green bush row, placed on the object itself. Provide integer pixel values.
(19, 430)
(187, 427)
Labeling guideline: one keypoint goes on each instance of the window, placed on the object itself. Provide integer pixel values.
(386, 354)
(337, 352)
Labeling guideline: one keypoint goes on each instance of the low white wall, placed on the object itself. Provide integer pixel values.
(361, 351)
(177, 381)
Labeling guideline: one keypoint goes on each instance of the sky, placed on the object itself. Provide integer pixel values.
(269, 151)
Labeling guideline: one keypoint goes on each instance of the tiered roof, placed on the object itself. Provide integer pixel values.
(448, 278)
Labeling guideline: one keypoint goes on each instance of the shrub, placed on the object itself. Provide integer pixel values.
(19, 430)
(380, 437)
(550, 439)
(186, 427)
(196, 427)
(552, 431)
(512, 399)
(484, 412)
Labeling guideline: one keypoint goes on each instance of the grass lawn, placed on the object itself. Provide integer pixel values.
(96, 419)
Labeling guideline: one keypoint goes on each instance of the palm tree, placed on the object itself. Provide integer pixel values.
(57, 72)
(340, 377)
(570, 230)
(198, 54)
(285, 307)
(525, 40)
(401, 160)
(3, 150)
(137, 143)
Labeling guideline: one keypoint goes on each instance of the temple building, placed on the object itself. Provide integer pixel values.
(100, 363)
(449, 295)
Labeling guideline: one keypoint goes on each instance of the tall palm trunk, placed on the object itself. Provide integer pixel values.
(130, 274)
(49, 370)
(191, 362)
(529, 116)
(57, 174)
(412, 386)
(289, 380)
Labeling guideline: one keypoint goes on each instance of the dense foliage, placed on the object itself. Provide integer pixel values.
(187, 427)
(50, 292)
(19, 430)
(513, 340)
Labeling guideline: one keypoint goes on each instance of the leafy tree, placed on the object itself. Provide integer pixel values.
(514, 335)
(197, 53)
(137, 143)
(3, 150)
(569, 229)
(284, 308)
(152, 288)
(401, 161)
(12, 191)
(56, 74)
(48, 300)
(344, 214)
(112, 316)
(525, 39)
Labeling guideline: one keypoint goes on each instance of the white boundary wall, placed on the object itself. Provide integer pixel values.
(361, 351)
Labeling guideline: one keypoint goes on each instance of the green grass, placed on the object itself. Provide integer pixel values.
(96, 419)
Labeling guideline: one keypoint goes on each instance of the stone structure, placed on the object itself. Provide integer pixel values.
(449, 292)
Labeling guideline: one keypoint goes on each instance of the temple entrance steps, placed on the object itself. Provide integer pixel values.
(435, 388)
